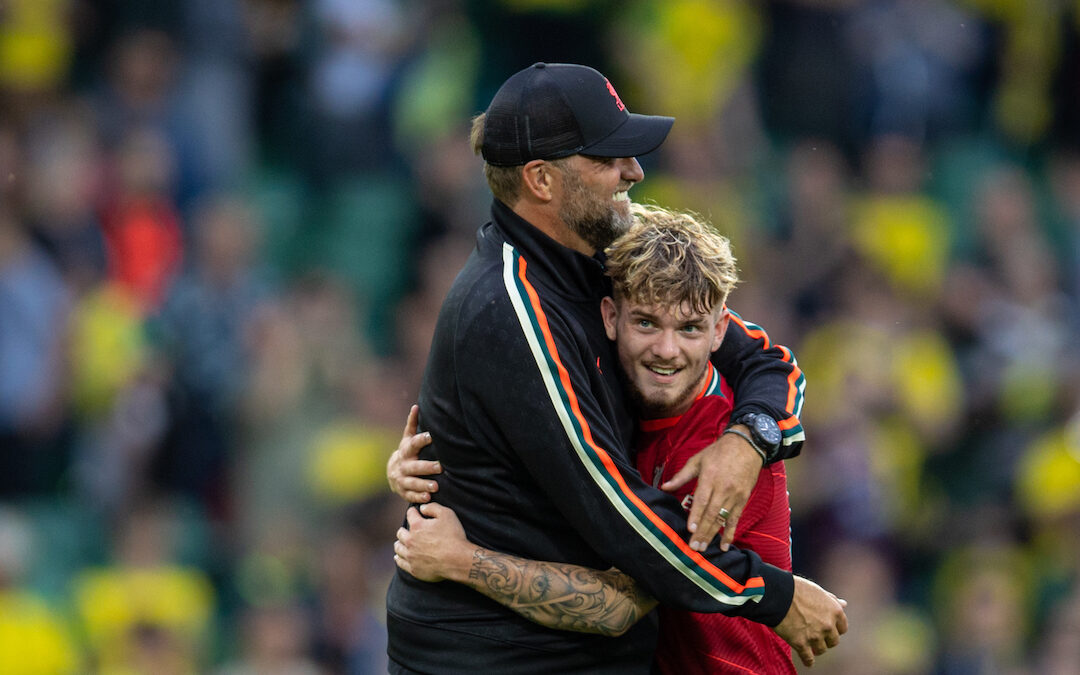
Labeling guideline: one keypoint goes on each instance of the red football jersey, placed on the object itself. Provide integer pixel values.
(713, 643)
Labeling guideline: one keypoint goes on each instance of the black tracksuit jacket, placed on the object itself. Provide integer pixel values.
(523, 398)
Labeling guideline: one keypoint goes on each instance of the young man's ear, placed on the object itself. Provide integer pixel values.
(611, 316)
(721, 327)
(537, 178)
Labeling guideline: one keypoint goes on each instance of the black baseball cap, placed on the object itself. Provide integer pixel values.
(552, 110)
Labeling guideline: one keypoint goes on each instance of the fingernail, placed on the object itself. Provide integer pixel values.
(431, 486)
(724, 547)
(427, 435)
(692, 527)
(438, 467)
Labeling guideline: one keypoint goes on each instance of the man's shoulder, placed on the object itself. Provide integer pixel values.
(494, 282)
(479, 288)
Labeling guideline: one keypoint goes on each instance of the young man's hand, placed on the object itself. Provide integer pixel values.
(404, 470)
(434, 547)
(726, 472)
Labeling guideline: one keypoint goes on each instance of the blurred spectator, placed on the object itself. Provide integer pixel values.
(895, 224)
(35, 310)
(884, 636)
(274, 642)
(202, 331)
(805, 72)
(983, 597)
(35, 51)
(359, 46)
(1018, 338)
(34, 638)
(919, 64)
(1065, 183)
(350, 630)
(888, 394)
(515, 34)
(143, 235)
(145, 611)
(141, 92)
(1057, 650)
(1030, 52)
(215, 92)
(306, 357)
(62, 185)
(275, 29)
(809, 241)
(436, 96)
(687, 58)
(274, 582)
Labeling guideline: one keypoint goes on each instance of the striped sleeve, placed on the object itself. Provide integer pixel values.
(556, 426)
(765, 377)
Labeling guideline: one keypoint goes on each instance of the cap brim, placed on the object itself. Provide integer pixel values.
(639, 135)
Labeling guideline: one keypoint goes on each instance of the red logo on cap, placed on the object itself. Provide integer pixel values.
(611, 89)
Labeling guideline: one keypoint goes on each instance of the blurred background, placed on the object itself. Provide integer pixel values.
(226, 227)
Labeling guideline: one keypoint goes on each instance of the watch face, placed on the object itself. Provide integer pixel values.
(768, 429)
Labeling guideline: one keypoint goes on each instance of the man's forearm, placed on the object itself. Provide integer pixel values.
(558, 595)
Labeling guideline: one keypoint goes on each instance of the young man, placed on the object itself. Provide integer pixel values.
(529, 419)
(671, 279)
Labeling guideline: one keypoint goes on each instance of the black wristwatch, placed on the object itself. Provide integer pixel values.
(764, 431)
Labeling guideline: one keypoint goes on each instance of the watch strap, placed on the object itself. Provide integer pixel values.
(746, 437)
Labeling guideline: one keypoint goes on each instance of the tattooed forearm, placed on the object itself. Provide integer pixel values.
(558, 595)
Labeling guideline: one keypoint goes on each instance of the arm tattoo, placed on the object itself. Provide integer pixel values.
(560, 595)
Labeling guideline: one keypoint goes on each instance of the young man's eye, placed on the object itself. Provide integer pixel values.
(644, 323)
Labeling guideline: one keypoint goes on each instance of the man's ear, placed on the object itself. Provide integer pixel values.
(538, 179)
(721, 327)
(611, 316)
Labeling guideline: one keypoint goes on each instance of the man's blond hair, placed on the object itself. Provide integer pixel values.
(671, 258)
(504, 181)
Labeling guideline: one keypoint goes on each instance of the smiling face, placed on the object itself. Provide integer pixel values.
(671, 276)
(595, 204)
(663, 351)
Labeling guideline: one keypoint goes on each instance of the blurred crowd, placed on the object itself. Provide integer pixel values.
(226, 227)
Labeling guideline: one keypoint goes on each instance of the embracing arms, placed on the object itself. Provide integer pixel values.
(556, 595)
(571, 597)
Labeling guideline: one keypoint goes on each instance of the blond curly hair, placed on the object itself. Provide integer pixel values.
(670, 258)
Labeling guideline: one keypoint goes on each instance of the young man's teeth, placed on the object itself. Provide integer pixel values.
(663, 371)
(623, 196)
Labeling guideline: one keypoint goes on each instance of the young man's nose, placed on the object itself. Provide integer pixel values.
(664, 346)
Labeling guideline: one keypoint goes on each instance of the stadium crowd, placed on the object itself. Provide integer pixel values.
(226, 227)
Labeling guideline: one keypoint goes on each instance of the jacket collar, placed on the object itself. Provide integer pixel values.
(568, 272)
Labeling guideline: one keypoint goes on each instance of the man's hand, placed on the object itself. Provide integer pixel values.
(815, 621)
(726, 471)
(434, 546)
(403, 469)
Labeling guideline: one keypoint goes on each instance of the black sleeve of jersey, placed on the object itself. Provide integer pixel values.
(766, 379)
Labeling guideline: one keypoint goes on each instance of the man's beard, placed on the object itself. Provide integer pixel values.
(594, 219)
(647, 409)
